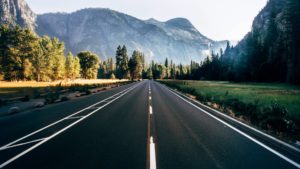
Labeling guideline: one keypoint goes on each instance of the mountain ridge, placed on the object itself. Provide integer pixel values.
(101, 30)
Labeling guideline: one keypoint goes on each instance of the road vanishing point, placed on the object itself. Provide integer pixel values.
(142, 125)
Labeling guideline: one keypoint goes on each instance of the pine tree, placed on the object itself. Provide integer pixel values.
(149, 73)
(122, 69)
(167, 68)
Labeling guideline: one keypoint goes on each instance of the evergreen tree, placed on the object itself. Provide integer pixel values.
(167, 68)
(149, 73)
(122, 69)
(57, 53)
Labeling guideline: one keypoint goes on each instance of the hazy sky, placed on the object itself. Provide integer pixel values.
(216, 19)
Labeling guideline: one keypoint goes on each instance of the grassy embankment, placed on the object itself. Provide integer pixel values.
(273, 107)
(50, 90)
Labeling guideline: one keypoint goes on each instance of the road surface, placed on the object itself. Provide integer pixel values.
(143, 125)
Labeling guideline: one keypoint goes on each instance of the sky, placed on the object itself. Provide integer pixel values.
(216, 19)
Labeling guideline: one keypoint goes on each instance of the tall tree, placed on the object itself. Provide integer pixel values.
(136, 65)
(122, 69)
(89, 63)
(17, 47)
(72, 66)
(76, 73)
(167, 68)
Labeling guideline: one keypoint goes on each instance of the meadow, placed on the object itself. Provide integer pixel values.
(272, 106)
(34, 89)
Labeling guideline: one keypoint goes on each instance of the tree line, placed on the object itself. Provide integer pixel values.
(25, 56)
(264, 55)
(269, 53)
(124, 67)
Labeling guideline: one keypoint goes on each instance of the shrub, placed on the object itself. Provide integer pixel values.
(14, 110)
(64, 98)
(51, 97)
(25, 98)
(274, 116)
(1, 102)
(88, 92)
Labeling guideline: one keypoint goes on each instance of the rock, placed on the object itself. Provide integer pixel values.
(78, 95)
(14, 110)
(39, 104)
(17, 12)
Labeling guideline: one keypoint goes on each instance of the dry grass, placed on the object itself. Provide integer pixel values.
(5, 84)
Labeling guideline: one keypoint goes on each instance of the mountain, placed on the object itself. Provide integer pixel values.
(17, 12)
(271, 51)
(102, 30)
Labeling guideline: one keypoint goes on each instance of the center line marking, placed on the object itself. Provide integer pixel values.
(149, 97)
(150, 109)
(152, 154)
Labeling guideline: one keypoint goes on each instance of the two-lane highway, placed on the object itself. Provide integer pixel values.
(141, 125)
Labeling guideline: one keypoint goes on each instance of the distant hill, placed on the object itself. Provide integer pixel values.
(102, 30)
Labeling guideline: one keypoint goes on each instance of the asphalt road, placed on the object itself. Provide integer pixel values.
(143, 125)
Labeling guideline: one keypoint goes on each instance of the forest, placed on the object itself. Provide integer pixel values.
(269, 53)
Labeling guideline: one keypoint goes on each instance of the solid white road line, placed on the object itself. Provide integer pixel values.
(64, 129)
(240, 132)
(21, 144)
(249, 127)
(254, 129)
(152, 154)
(65, 118)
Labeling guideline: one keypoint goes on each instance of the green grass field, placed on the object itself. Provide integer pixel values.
(260, 94)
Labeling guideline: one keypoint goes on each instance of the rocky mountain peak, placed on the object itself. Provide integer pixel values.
(180, 22)
(16, 12)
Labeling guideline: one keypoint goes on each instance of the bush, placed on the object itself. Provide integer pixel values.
(64, 98)
(1, 102)
(51, 97)
(200, 97)
(274, 117)
(189, 91)
(25, 98)
(88, 92)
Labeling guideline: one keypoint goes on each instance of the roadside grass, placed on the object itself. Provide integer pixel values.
(34, 89)
(23, 84)
(266, 105)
